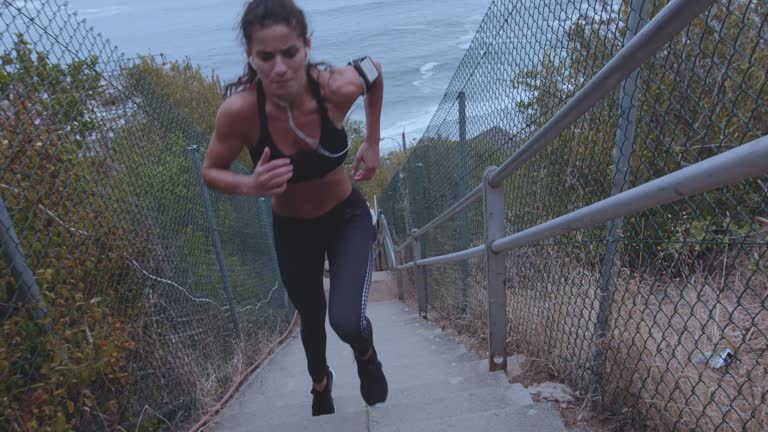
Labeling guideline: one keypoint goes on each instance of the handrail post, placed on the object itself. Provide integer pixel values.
(400, 290)
(420, 276)
(493, 215)
(625, 141)
(216, 242)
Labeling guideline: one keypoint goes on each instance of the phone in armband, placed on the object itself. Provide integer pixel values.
(367, 70)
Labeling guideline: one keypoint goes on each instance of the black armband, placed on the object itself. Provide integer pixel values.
(367, 70)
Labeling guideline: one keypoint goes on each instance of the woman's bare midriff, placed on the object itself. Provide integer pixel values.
(313, 198)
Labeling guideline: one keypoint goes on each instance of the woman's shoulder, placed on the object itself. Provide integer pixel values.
(237, 116)
(244, 101)
(340, 86)
(239, 106)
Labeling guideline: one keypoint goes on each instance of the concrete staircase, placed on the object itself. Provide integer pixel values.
(435, 385)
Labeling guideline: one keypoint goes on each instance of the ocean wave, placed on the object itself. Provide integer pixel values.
(470, 25)
(32, 5)
(345, 6)
(100, 12)
(409, 27)
(465, 41)
(414, 126)
(426, 70)
(422, 85)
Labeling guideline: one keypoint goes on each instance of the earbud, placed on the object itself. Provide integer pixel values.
(307, 50)
(251, 62)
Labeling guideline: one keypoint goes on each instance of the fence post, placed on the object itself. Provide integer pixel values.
(422, 285)
(216, 242)
(406, 199)
(625, 140)
(405, 202)
(493, 216)
(14, 257)
(420, 276)
(464, 215)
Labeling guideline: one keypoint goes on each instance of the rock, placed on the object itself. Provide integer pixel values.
(514, 366)
(552, 392)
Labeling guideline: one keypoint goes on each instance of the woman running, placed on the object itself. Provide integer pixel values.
(289, 113)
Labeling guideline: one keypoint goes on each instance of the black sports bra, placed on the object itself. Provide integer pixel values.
(307, 164)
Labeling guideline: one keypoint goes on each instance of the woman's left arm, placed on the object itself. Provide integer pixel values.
(368, 154)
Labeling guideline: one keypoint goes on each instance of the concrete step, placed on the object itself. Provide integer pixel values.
(447, 404)
(435, 385)
(356, 421)
(272, 409)
(391, 349)
(281, 388)
(512, 420)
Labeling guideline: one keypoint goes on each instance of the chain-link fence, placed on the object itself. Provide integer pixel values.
(687, 314)
(130, 295)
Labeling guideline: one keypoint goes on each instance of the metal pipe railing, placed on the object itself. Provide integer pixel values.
(659, 31)
(468, 199)
(453, 257)
(741, 163)
(388, 243)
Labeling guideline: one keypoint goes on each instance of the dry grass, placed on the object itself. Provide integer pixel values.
(659, 323)
(658, 327)
(663, 326)
(193, 373)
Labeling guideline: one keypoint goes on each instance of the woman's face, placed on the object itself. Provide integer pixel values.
(279, 57)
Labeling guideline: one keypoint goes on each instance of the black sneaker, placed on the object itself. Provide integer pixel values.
(373, 383)
(322, 401)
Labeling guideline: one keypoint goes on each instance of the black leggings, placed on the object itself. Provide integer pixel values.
(345, 234)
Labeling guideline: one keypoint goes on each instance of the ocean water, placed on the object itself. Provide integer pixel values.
(418, 42)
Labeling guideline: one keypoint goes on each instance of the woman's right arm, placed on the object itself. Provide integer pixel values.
(267, 179)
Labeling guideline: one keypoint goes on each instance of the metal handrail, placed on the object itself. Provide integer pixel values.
(468, 199)
(741, 163)
(660, 30)
(388, 243)
(454, 257)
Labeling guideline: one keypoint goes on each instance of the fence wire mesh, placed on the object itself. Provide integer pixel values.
(131, 296)
(682, 344)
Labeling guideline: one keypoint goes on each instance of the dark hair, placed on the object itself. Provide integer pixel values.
(260, 14)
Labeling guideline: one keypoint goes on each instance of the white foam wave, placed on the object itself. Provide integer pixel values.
(470, 25)
(26, 5)
(100, 12)
(409, 27)
(414, 126)
(427, 72)
(465, 41)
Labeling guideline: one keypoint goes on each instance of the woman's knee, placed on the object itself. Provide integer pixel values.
(348, 326)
